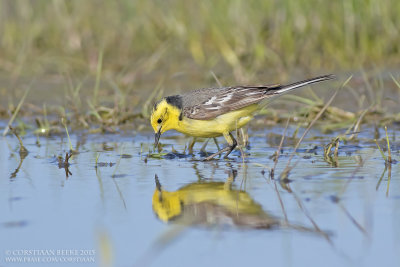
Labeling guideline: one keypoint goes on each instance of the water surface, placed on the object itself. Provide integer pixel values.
(218, 213)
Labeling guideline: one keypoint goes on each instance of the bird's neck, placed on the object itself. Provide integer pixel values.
(174, 118)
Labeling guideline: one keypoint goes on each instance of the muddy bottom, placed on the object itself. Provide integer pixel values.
(114, 203)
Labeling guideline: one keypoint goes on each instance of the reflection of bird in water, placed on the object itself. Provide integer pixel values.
(211, 203)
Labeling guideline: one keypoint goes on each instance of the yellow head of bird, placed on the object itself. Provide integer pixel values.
(167, 205)
(164, 117)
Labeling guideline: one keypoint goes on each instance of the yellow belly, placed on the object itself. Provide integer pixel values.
(218, 126)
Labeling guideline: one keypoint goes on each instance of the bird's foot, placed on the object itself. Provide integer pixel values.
(217, 153)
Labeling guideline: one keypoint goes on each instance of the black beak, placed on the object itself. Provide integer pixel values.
(157, 137)
(158, 184)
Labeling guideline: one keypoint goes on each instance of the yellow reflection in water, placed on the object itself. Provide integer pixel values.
(210, 203)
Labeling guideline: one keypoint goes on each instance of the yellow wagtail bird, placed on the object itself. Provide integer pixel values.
(212, 112)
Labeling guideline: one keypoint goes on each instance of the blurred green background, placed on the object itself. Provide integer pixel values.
(244, 37)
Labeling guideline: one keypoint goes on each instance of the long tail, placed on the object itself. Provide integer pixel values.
(286, 88)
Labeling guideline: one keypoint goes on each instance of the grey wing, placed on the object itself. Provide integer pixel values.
(206, 104)
(222, 100)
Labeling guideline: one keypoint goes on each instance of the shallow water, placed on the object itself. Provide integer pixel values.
(219, 213)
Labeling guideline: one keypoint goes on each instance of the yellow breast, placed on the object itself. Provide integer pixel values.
(216, 127)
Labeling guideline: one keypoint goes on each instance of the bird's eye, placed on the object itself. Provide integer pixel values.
(159, 121)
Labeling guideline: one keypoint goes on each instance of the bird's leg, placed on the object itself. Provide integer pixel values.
(191, 145)
(216, 154)
(203, 148)
(232, 144)
(216, 142)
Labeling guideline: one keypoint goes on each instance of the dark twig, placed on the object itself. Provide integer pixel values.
(286, 171)
(63, 163)
(278, 151)
(22, 148)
